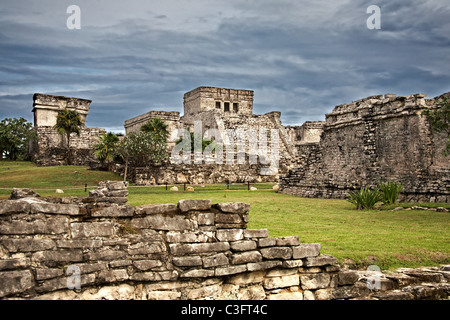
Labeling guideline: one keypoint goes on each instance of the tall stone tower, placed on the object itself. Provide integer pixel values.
(50, 148)
(226, 101)
(46, 108)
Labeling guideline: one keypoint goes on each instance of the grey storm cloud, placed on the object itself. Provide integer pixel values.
(300, 57)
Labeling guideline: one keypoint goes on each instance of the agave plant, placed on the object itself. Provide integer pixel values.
(365, 198)
(390, 191)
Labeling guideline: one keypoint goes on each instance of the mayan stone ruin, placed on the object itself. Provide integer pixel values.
(98, 247)
(379, 138)
(49, 148)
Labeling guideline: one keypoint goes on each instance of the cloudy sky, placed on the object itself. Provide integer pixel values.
(300, 57)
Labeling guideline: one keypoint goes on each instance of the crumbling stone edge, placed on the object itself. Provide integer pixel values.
(99, 247)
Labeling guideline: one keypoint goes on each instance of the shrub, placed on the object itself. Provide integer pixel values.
(390, 191)
(365, 198)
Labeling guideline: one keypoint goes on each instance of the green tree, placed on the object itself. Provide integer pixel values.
(439, 118)
(142, 149)
(15, 135)
(105, 150)
(156, 126)
(68, 122)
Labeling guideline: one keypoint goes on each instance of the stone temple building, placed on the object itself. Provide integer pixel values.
(49, 148)
(226, 111)
(379, 138)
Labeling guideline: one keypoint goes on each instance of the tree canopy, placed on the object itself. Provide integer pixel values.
(14, 137)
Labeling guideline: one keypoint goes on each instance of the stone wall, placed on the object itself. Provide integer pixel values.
(99, 247)
(49, 149)
(371, 140)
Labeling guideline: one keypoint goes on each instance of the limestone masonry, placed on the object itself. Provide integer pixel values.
(98, 247)
(379, 138)
(49, 149)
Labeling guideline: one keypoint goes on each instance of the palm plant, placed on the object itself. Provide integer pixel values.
(157, 127)
(68, 122)
(105, 150)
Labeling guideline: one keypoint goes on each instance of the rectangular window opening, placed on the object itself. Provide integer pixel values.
(226, 107)
(236, 107)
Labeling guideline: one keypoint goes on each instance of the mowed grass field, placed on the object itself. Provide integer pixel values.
(386, 238)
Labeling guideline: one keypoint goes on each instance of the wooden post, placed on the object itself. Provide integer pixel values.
(85, 187)
(248, 185)
(185, 186)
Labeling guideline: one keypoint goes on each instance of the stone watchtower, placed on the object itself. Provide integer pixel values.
(49, 148)
(226, 101)
(46, 108)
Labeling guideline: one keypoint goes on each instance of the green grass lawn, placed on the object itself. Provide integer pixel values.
(45, 180)
(388, 239)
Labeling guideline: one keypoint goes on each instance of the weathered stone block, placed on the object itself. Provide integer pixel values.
(14, 206)
(53, 258)
(225, 271)
(47, 226)
(144, 265)
(256, 233)
(230, 235)
(177, 237)
(281, 282)
(315, 281)
(54, 208)
(161, 222)
(82, 244)
(106, 255)
(246, 257)
(306, 250)
(243, 245)
(150, 209)
(27, 245)
(267, 242)
(114, 211)
(284, 253)
(92, 229)
(234, 207)
(146, 248)
(199, 273)
(188, 261)
(187, 205)
(320, 260)
(206, 219)
(163, 295)
(11, 264)
(287, 241)
(13, 282)
(247, 278)
(347, 277)
(286, 295)
(44, 274)
(183, 249)
(264, 265)
(292, 263)
(215, 260)
(228, 218)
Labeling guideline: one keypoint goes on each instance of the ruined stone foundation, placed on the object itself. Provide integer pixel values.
(99, 247)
